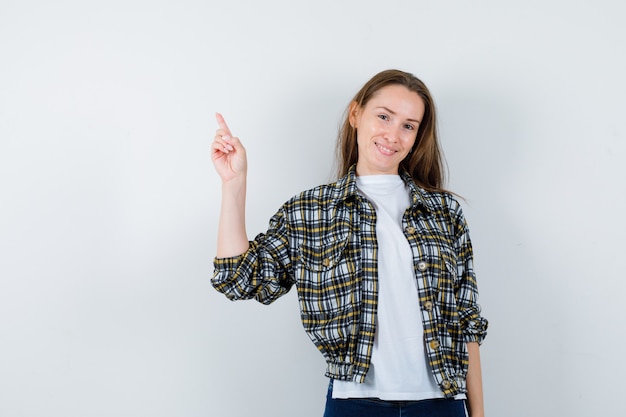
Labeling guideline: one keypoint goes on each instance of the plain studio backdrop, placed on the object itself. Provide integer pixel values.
(109, 201)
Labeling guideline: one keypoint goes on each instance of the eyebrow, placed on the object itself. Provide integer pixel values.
(394, 113)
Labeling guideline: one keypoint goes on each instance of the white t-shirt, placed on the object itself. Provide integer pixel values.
(398, 370)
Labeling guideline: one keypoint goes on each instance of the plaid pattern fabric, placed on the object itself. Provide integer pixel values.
(324, 242)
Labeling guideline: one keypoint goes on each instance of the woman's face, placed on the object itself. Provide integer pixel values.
(386, 128)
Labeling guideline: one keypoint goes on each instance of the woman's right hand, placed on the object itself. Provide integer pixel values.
(228, 154)
(229, 158)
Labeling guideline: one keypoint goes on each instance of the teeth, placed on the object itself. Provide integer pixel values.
(386, 149)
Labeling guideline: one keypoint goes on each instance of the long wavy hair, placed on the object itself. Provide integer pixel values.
(425, 162)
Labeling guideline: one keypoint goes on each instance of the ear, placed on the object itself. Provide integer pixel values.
(353, 114)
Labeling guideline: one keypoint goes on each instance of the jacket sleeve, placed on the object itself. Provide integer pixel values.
(263, 272)
(473, 325)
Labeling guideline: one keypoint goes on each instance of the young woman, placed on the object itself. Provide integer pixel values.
(381, 260)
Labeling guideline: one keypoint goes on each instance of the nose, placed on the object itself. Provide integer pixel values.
(392, 132)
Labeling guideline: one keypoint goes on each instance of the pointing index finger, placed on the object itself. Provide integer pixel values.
(222, 123)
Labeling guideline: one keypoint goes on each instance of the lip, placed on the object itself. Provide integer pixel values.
(385, 150)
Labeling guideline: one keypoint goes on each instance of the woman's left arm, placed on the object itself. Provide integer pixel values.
(473, 323)
(474, 382)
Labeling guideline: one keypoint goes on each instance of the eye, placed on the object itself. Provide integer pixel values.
(383, 117)
(409, 127)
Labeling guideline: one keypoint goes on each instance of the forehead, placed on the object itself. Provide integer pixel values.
(398, 98)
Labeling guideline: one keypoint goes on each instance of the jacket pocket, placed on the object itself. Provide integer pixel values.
(325, 277)
(322, 257)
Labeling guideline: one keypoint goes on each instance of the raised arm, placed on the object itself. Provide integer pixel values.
(229, 159)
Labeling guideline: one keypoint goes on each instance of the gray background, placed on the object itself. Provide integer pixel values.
(109, 201)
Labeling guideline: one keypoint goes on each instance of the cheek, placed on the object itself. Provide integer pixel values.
(372, 127)
(408, 141)
(365, 133)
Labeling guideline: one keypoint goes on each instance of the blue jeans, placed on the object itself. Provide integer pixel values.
(373, 407)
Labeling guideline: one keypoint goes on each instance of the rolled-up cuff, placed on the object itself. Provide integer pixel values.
(227, 264)
(476, 330)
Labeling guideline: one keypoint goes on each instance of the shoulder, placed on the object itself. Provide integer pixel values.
(447, 211)
(327, 195)
(322, 195)
(308, 208)
(440, 200)
(441, 204)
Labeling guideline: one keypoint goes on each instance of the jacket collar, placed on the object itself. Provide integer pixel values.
(419, 196)
(346, 189)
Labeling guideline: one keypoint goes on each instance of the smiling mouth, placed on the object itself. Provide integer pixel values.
(385, 150)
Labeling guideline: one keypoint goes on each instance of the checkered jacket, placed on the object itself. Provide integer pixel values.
(323, 241)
